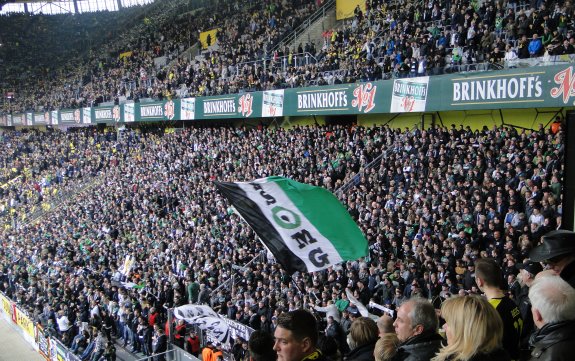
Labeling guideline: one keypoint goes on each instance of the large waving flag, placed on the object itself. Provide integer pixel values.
(305, 227)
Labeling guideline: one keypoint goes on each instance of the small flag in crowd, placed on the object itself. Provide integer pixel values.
(305, 227)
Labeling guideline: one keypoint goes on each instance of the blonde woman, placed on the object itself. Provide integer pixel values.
(386, 347)
(474, 331)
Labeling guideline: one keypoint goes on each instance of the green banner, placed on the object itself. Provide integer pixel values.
(534, 87)
(70, 116)
(105, 114)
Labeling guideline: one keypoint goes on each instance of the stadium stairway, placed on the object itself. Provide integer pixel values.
(310, 31)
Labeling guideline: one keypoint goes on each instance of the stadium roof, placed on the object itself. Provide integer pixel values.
(65, 6)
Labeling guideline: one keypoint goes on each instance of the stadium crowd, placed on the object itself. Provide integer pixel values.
(398, 38)
(436, 201)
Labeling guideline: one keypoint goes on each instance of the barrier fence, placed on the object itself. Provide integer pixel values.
(535, 86)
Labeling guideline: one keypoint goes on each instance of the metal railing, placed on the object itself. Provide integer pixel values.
(281, 62)
(293, 35)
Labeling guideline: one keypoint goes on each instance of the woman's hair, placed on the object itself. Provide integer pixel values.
(363, 331)
(386, 347)
(475, 326)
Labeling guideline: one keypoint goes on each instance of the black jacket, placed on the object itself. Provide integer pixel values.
(554, 342)
(495, 355)
(419, 348)
(568, 274)
(361, 353)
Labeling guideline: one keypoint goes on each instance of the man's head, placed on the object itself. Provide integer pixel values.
(385, 325)
(363, 331)
(557, 250)
(261, 346)
(527, 272)
(413, 318)
(488, 274)
(295, 335)
(552, 300)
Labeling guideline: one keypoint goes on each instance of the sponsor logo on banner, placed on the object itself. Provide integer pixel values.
(87, 115)
(104, 114)
(409, 95)
(47, 119)
(490, 89)
(129, 115)
(67, 117)
(4, 120)
(152, 111)
(170, 110)
(116, 113)
(364, 97)
(326, 100)
(43, 342)
(17, 119)
(273, 103)
(565, 80)
(77, 115)
(218, 107)
(246, 105)
(188, 108)
(29, 119)
(25, 323)
(54, 117)
(39, 118)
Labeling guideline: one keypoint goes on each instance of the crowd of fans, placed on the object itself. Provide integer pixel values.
(436, 201)
(398, 38)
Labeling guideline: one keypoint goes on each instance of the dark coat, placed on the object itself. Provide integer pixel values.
(495, 355)
(361, 353)
(554, 342)
(419, 348)
(568, 274)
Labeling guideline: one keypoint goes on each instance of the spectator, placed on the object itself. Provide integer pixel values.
(474, 331)
(362, 338)
(553, 307)
(261, 346)
(558, 251)
(296, 337)
(386, 347)
(489, 280)
(416, 329)
(527, 272)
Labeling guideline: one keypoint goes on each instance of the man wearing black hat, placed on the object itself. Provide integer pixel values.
(557, 250)
(527, 272)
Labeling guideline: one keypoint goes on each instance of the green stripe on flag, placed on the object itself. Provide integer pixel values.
(328, 215)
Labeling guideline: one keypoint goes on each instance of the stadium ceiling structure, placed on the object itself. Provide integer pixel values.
(65, 6)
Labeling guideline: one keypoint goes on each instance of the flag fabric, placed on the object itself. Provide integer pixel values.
(305, 227)
(218, 329)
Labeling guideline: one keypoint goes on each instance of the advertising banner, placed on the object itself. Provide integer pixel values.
(107, 114)
(534, 87)
(87, 115)
(70, 116)
(129, 113)
(54, 117)
(273, 103)
(157, 111)
(17, 119)
(188, 108)
(40, 118)
(247, 105)
(25, 324)
(7, 307)
(409, 95)
(43, 342)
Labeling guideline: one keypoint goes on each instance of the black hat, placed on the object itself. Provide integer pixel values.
(555, 243)
(531, 267)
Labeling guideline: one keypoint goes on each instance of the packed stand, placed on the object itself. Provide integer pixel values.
(40, 167)
(438, 200)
